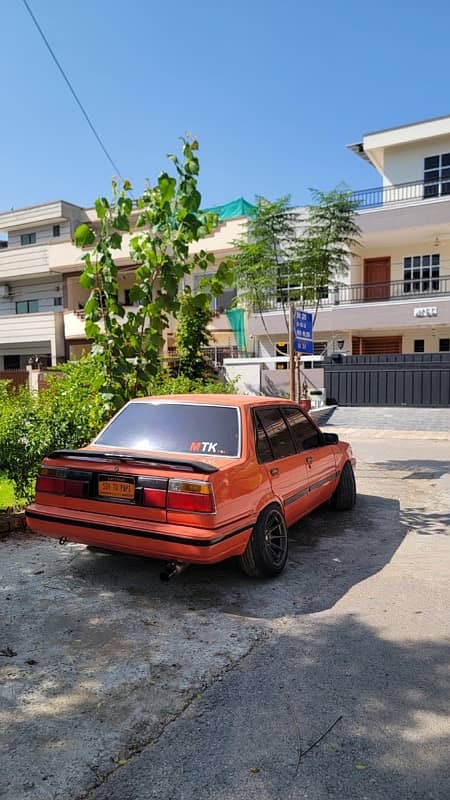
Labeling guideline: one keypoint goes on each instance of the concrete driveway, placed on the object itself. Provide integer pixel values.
(115, 686)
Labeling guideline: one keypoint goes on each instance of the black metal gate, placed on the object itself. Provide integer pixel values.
(388, 380)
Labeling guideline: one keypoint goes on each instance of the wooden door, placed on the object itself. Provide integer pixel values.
(377, 275)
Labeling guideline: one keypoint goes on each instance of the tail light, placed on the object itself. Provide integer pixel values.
(47, 483)
(64, 482)
(190, 496)
(155, 498)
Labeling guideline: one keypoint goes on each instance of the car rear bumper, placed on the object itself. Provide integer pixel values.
(172, 542)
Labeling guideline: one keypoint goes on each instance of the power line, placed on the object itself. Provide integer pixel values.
(72, 90)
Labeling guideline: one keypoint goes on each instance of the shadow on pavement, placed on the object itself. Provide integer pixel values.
(418, 469)
(329, 553)
(427, 523)
(244, 738)
(106, 653)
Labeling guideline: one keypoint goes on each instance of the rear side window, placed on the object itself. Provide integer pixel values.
(175, 428)
(277, 432)
(263, 450)
(305, 435)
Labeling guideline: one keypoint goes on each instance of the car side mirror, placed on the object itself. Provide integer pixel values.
(330, 438)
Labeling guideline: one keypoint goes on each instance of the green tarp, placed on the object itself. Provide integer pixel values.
(237, 208)
(236, 320)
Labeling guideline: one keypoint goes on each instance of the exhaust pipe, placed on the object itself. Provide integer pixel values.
(171, 569)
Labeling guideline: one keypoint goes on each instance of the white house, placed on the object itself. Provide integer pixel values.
(41, 300)
(31, 293)
(398, 295)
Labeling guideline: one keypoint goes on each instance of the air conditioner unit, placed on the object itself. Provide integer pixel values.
(5, 291)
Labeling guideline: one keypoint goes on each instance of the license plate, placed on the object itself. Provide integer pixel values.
(120, 488)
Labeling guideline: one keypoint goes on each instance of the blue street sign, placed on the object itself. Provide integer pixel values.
(304, 346)
(303, 331)
(303, 324)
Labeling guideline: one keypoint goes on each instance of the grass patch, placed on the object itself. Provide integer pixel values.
(7, 498)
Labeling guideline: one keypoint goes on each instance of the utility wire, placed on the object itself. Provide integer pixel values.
(72, 90)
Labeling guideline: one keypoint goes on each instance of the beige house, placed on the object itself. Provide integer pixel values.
(41, 300)
(397, 299)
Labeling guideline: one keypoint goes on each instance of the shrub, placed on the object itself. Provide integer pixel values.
(67, 413)
(181, 384)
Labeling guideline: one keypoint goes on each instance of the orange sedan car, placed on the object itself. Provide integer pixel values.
(195, 478)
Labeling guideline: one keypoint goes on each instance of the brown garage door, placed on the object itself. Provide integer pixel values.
(373, 345)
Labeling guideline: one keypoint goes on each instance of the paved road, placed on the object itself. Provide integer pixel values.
(374, 659)
(214, 686)
(393, 419)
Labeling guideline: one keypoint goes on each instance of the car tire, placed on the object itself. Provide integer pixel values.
(267, 549)
(344, 497)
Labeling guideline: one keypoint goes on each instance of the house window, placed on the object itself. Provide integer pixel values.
(27, 238)
(57, 301)
(11, 362)
(421, 273)
(56, 230)
(444, 345)
(27, 306)
(419, 345)
(223, 301)
(436, 175)
(320, 348)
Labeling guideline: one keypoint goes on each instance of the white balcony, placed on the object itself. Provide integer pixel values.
(23, 262)
(405, 213)
(18, 329)
(74, 322)
(45, 213)
(370, 314)
(66, 257)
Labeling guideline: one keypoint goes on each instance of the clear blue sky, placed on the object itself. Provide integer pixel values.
(274, 90)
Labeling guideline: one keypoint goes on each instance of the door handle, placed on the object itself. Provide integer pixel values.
(309, 460)
(274, 471)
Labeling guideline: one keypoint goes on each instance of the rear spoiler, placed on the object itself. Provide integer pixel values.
(84, 455)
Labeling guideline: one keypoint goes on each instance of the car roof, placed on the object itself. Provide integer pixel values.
(240, 400)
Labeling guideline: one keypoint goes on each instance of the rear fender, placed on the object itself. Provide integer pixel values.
(269, 499)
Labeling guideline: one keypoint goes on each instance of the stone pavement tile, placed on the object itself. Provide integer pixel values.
(371, 433)
(399, 418)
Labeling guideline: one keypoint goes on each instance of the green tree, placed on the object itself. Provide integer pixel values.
(290, 255)
(322, 253)
(168, 220)
(194, 315)
(265, 254)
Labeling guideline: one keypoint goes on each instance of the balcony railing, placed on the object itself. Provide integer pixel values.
(213, 355)
(428, 288)
(393, 290)
(382, 196)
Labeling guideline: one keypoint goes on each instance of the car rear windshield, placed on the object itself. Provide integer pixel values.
(175, 428)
